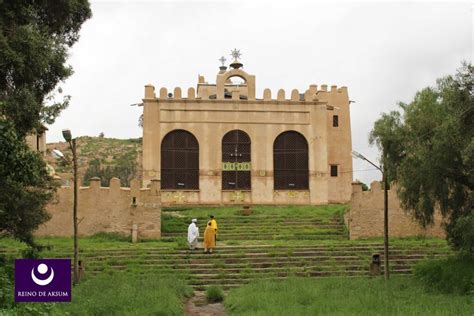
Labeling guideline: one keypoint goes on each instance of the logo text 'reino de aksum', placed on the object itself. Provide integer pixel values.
(42, 280)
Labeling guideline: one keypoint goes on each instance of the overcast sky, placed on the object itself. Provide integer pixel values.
(382, 51)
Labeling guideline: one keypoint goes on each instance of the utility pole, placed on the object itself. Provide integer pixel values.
(385, 209)
(72, 144)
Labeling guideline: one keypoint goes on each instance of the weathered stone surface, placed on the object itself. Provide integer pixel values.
(366, 216)
(106, 209)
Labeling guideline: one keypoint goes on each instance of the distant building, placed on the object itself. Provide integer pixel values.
(223, 145)
(37, 140)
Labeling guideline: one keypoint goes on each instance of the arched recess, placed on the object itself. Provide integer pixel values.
(290, 162)
(221, 81)
(236, 161)
(179, 161)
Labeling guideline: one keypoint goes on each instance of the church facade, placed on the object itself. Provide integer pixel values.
(222, 145)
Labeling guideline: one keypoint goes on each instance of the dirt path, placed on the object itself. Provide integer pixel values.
(197, 306)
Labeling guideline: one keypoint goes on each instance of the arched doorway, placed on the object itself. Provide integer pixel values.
(290, 162)
(236, 161)
(179, 161)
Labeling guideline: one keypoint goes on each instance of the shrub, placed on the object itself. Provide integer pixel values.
(214, 294)
(453, 275)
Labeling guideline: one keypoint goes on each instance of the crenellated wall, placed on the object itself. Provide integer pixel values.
(106, 209)
(366, 216)
(309, 95)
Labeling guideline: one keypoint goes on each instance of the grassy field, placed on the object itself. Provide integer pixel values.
(344, 296)
(128, 294)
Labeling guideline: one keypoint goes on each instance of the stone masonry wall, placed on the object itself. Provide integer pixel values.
(106, 209)
(365, 218)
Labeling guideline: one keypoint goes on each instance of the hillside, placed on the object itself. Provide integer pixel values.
(100, 156)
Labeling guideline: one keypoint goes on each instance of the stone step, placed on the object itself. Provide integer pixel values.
(308, 267)
(342, 244)
(229, 282)
(255, 225)
(257, 230)
(244, 264)
(339, 255)
(153, 252)
(256, 256)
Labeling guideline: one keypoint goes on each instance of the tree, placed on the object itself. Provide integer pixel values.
(25, 187)
(34, 41)
(428, 149)
(124, 169)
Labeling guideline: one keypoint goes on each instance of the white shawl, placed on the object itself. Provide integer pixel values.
(193, 232)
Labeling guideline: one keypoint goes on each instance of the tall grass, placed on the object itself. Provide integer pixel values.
(128, 294)
(343, 296)
(451, 275)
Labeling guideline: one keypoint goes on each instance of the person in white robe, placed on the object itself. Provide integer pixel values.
(193, 234)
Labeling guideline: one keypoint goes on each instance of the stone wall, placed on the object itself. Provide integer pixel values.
(106, 209)
(365, 218)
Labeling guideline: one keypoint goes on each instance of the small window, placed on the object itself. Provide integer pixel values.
(335, 120)
(333, 170)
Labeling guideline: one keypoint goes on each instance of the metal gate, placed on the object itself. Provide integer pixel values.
(179, 161)
(236, 161)
(290, 162)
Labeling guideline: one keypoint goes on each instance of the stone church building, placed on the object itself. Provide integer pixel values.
(222, 145)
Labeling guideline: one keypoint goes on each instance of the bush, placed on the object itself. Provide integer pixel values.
(7, 294)
(453, 275)
(214, 294)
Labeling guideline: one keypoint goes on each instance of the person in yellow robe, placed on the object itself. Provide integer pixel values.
(214, 226)
(209, 238)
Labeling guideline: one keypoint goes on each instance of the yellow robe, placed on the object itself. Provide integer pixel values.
(209, 237)
(214, 225)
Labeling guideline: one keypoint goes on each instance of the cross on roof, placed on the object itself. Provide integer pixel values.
(222, 60)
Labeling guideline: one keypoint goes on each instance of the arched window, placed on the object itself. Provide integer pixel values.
(236, 161)
(179, 161)
(290, 162)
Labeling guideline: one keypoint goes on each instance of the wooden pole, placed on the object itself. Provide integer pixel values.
(385, 223)
(74, 214)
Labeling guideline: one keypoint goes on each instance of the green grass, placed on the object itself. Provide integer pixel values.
(343, 296)
(96, 242)
(127, 294)
(214, 294)
(451, 275)
(323, 211)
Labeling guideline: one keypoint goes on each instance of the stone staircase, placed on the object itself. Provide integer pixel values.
(262, 227)
(232, 266)
(256, 247)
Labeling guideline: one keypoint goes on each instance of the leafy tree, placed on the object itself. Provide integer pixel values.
(428, 148)
(25, 187)
(34, 41)
(124, 170)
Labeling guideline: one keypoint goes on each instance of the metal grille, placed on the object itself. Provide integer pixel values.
(290, 162)
(179, 161)
(236, 147)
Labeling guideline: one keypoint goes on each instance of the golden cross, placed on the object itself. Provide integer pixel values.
(179, 197)
(237, 196)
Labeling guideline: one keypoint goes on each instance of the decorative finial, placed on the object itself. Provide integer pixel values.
(222, 60)
(236, 64)
(236, 54)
